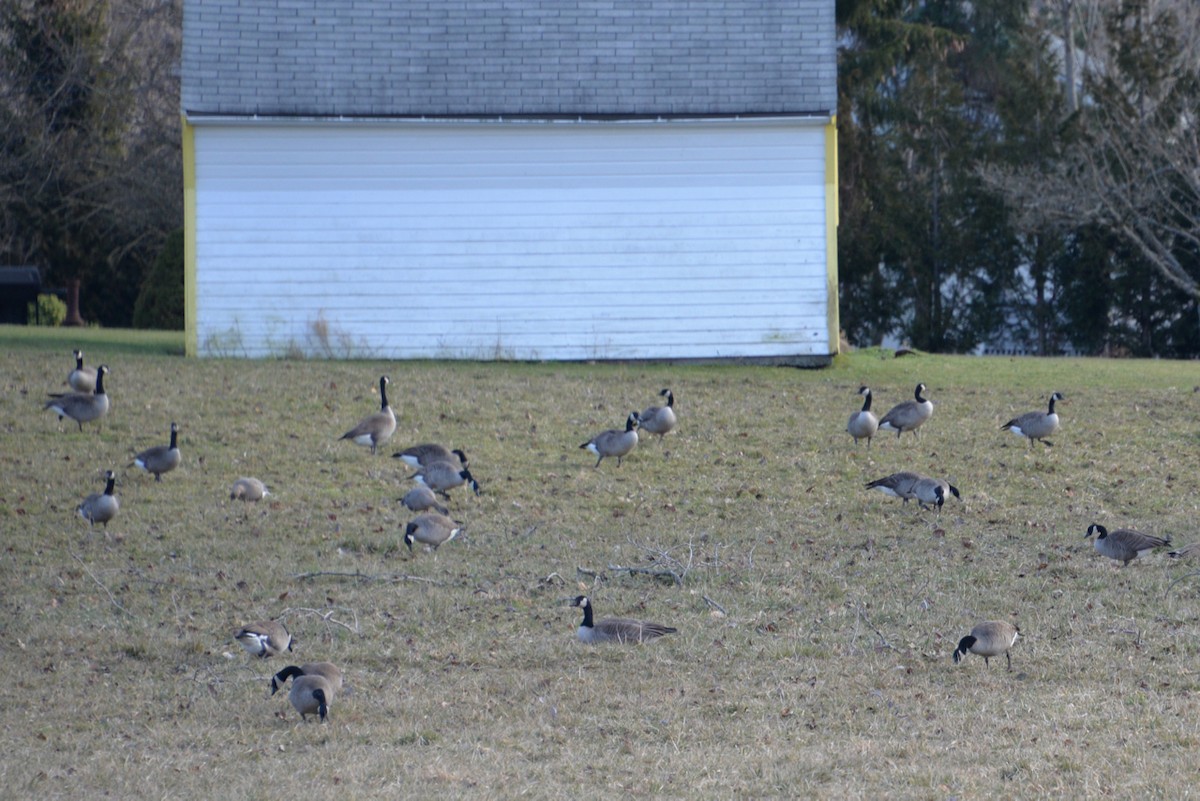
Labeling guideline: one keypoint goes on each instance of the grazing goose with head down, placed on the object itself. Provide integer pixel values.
(423, 455)
(1186, 552)
(932, 492)
(248, 489)
(615, 629)
(899, 485)
(82, 407)
(908, 416)
(614, 442)
(376, 428)
(441, 477)
(1124, 544)
(100, 507)
(988, 639)
(264, 639)
(421, 499)
(1036, 426)
(311, 695)
(863, 424)
(161, 458)
(430, 529)
(326, 670)
(658, 419)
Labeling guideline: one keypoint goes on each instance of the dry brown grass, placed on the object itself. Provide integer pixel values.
(829, 675)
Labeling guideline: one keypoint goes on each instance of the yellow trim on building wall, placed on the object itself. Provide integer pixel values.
(191, 344)
(831, 226)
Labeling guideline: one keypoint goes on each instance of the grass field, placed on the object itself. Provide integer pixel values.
(816, 620)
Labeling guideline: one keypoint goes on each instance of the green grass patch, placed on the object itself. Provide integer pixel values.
(816, 619)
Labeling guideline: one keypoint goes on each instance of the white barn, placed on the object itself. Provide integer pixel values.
(532, 179)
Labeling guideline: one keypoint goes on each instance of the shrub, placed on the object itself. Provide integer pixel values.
(160, 302)
(49, 310)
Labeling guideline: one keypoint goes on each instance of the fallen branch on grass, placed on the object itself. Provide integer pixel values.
(326, 616)
(649, 571)
(111, 598)
(363, 576)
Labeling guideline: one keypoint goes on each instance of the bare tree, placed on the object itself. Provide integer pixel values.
(90, 177)
(1135, 167)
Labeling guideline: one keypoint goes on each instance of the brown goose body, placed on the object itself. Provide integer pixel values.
(422, 499)
(377, 428)
(615, 629)
(659, 419)
(426, 454)
(1186, 552)
(311, 695)
(1124, 544)
(614, 442)
(248, 489)
(899, 485)
(326, 670)
(932, 492)
(430, 529)
(83, 407)
(264, 639)
(988, 639)
(863, 424)
(100, 507)
(908, 416)
(81, 379)
(441, 477)
(161, 458)
(1036, 426)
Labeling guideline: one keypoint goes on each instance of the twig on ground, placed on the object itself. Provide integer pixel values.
(883, 640)
(1176, 581)
(363, 576)
(327, 616)
(649, 571)
(92, 575)
(594, 575)
(714, 605)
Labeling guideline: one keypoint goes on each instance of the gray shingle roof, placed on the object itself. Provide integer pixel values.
(509, 57)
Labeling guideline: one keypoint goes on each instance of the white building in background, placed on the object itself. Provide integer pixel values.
(521, 180)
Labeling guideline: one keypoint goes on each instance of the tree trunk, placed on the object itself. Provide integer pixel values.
(73, 316)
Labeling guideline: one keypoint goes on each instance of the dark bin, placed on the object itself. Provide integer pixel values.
(19, 286)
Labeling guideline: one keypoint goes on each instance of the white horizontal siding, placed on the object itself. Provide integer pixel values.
(522, 241)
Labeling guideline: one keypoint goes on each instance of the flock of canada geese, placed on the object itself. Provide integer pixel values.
(439, 470)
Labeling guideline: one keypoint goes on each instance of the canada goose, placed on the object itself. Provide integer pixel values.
(311, 695)
(421, 499)
(248, 489)
(444, 476)
(100, 507)
(615, 629)
(1186, 552)
(864, 423)
(161, 458)
(908, 416)
(1035, 425)
(82, 407)
(326, 670)
(933, 491)
(82, 379)
(430, 529)
(378, 427)
(422, 455)
(658, 419)
(1123, 544)
(614, 442)
(988, 639)
(898, 485)
(265, 639)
